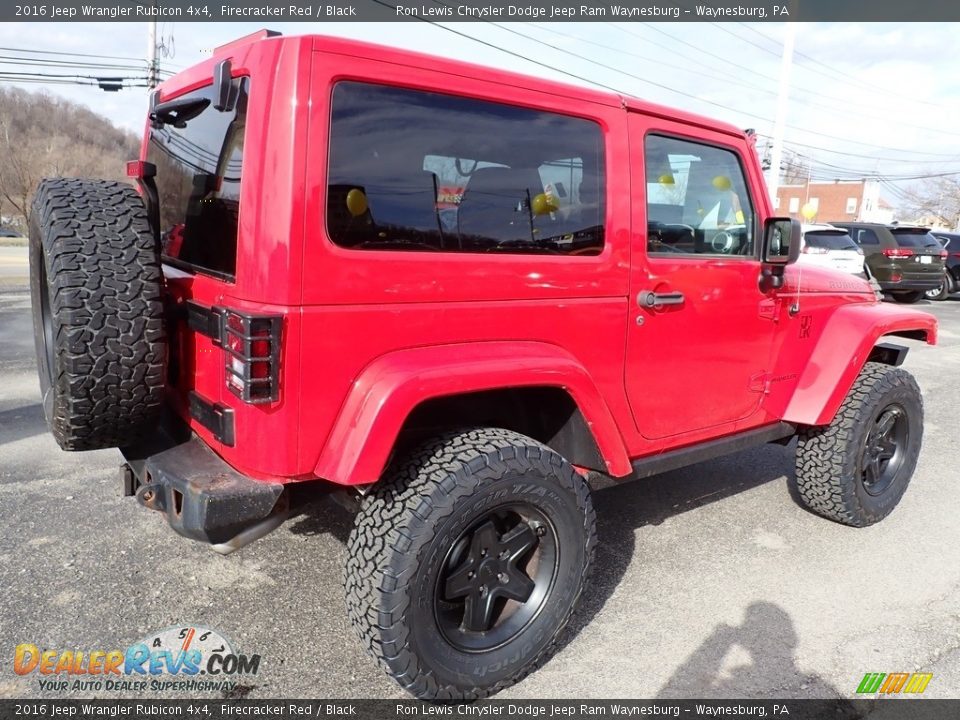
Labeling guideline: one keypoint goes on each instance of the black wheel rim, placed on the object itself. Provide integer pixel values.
(46, 320)
(496, 577)
(884, 449)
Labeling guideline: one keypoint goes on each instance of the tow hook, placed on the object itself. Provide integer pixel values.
(151, 496)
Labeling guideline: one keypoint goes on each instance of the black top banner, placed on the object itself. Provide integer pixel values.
(482, 10)
(225, 709)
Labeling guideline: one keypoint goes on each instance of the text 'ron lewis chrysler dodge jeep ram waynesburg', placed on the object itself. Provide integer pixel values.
(457, 292)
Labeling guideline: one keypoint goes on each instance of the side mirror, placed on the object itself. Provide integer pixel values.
(781, 241)
(781, 247)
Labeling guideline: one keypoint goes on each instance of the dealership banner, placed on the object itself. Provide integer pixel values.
(481, 10)
(223, 709)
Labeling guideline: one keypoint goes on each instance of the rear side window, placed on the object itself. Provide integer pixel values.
(913, 238)
(421, 171)
(864, 236)
(198, 181)
(829, 240)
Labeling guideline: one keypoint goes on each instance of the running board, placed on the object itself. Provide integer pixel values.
(673, 459)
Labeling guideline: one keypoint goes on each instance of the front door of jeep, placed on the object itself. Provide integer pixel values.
(699, 336)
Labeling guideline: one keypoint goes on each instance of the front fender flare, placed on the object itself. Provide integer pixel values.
(841, 351)
(359, 446)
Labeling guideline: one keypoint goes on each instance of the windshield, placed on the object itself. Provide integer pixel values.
(914, 238)
(830, 240)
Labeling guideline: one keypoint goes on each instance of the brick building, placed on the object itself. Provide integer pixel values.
(850, 200)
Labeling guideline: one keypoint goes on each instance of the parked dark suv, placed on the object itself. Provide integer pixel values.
(951, 275)
(905, 260)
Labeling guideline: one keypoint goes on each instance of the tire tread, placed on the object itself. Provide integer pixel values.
(103, 270)
(427, 481)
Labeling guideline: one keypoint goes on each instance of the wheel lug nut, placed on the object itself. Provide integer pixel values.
(483, 590)
(504, 578)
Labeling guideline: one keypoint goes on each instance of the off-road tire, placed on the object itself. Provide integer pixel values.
(396, 553)
(942, 292)
(95, 287)
(829, 463)
(908, 297)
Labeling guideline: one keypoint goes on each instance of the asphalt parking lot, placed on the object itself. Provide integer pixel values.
(711, 581)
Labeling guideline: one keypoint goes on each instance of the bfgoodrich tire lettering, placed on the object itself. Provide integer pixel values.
(399, 558)
(95, 286)
(856, 469)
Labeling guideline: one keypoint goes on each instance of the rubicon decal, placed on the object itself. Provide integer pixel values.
(894, 683)
(177, 651)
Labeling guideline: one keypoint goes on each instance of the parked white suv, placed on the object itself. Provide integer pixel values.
(832, 247)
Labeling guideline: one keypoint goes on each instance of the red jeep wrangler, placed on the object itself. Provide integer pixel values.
(456, 291)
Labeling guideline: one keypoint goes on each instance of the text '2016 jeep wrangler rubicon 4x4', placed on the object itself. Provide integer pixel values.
(456, 291)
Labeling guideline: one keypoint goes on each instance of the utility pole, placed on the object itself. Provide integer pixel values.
(783, 98)
(152, 66)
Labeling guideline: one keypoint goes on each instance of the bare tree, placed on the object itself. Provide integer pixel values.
(794, 170)
(42, 135)
(935, 200)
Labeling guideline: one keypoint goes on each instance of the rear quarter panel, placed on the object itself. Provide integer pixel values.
(359, 305)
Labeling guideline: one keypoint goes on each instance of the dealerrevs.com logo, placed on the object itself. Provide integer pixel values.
(187, 658)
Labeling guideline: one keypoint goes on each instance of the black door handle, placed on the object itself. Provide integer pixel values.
(651, 299)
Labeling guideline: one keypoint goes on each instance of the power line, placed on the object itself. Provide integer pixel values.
(725, 77)
(104, 83)
(85, 77)
(504, 50)
(54, 52)
(673, 90)
(11, 60)
(843, 77)
(947, 158)
(841, 109)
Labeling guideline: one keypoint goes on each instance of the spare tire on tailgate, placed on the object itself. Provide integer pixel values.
(95, 286)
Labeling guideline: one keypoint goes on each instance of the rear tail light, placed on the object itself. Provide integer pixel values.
(898, 252)
(140, 169)
(896, 277)
(814, 250)
(956, 255)
(252, 347)
(943, 254)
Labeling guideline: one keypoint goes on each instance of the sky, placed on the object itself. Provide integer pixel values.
(865, 98)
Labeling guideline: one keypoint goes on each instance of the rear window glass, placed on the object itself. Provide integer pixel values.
(198, 182)
(421, 171)
(915, 238)
(830, 240)
(864, 236)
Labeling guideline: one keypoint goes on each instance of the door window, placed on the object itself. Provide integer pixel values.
(697, 200)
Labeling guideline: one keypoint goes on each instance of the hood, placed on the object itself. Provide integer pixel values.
(816, 280)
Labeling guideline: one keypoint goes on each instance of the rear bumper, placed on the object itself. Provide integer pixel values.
(202, 497)
(908, 284)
